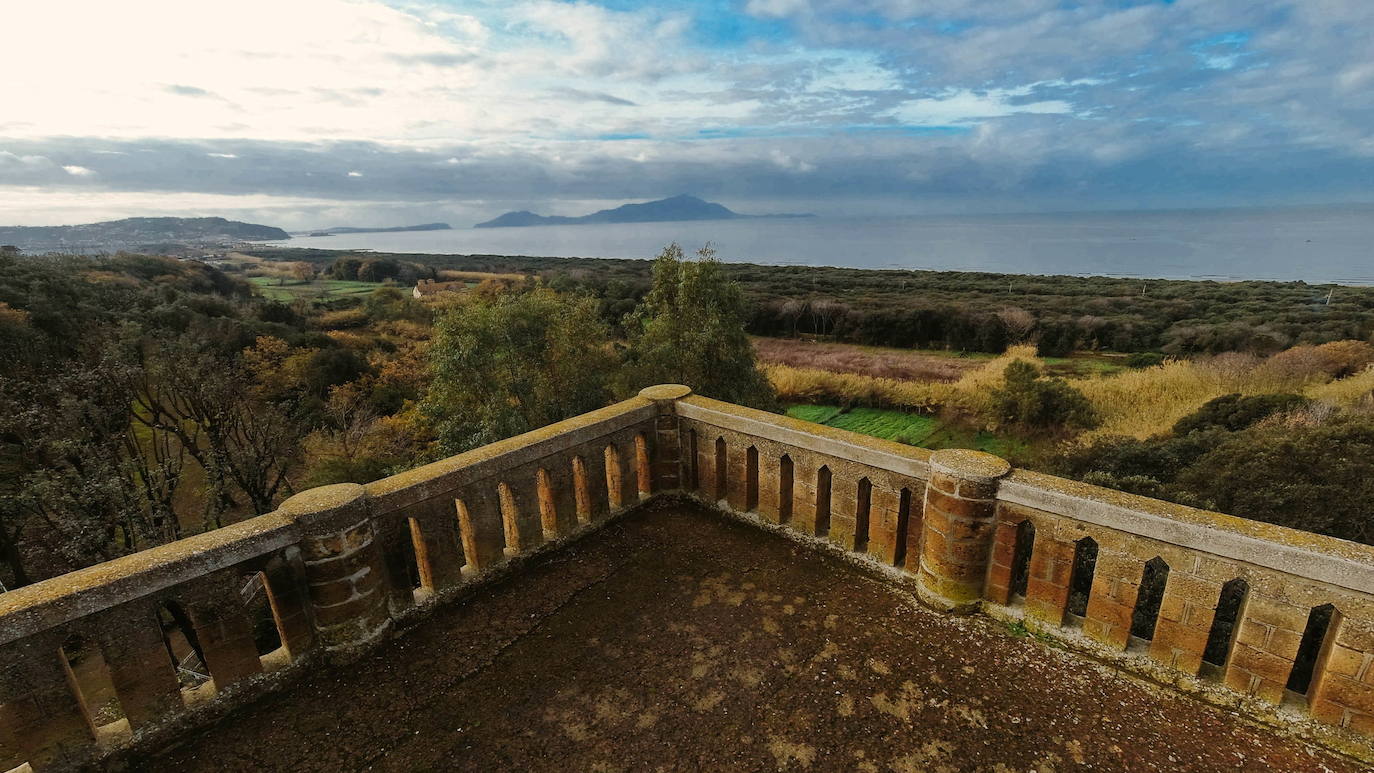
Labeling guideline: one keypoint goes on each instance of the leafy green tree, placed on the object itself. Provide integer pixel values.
(1030, 400)
(512, 362)
(690, 330)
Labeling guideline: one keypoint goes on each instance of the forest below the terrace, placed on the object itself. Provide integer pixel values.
(144, 399)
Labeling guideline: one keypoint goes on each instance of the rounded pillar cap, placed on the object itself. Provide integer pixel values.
(662, 392)
(318, 504)
(970, 465)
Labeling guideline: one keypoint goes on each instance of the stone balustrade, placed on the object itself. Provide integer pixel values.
(1265, 615)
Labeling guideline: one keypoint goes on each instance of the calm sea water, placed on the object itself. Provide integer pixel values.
(1312, 244)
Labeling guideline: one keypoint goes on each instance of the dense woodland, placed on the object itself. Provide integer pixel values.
(974, 311)
(143, 399)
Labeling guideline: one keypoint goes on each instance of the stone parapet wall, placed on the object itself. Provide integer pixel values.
(1269, 615)
(339, 567)
(1274, 615)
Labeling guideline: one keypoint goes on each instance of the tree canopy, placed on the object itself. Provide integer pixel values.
(690, 330)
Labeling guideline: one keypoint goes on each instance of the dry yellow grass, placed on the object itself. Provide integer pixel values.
(453, 275)
(810, 385)
(1135, 403)
(1351, 392)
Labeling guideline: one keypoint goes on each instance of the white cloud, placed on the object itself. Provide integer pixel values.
(963, 106)
(78, 171)
(775, 8)
(355, 174)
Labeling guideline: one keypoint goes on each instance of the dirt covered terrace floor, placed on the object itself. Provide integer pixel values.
(678, 640)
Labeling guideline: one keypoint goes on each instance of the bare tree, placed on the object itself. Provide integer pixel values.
(210, 403)
(1018, 322)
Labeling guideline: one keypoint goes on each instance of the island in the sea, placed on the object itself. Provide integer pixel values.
(137, 233)
(664, 210)
(379, 230)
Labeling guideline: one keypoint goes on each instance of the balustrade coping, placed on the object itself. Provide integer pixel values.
(438, 478)
(875, 452)
(1302, 554)
(59, 600)
(34, 608)
(69, 597)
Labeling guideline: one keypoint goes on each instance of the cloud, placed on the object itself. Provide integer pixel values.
(187, 91)
(78, 171)
(578, 95)
(899, 100)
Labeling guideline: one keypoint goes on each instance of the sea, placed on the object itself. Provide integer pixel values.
(1312, 244)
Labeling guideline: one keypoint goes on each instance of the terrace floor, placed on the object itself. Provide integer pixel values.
(677, 640)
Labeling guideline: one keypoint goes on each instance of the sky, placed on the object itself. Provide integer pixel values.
(313, 113)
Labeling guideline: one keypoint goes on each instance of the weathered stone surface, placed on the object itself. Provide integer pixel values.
(685, 642)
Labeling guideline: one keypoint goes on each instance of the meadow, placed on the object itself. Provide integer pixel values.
(287, 290)
(944, 412)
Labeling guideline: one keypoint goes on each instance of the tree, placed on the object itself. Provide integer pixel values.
(690, 330)
(510, 362)
(1030, 400)
(345, 268)
(212, 404)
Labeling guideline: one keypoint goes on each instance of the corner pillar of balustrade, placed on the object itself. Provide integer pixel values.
(344, 567)
(958, 526)
(667, 439)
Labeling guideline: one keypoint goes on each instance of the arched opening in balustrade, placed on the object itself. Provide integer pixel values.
(693, 479)
(751, 479)
(183, 645)
(548, 510)
(1021, 559)
(643, 470)
(718, 493)
(823, 501)
(1222, 635)
(89, 677)
(1148, 599)
(785, 489)
(1081, 578)
(614, 491)
(863, 505)
(1322, 623)
(582, 492)
(257, 603)
(904, 527)
(416, 561)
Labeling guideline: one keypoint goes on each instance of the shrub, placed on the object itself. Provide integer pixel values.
(1235, 412)
(1317, 479)
(1030, 400)
(1144, 360)
(1346, 358)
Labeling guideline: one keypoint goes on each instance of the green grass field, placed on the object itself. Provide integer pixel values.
(292, 289)
(910, 428)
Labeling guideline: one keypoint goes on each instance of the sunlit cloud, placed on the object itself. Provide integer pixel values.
(469, 105)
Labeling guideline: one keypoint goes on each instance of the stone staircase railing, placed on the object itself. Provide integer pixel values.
(1257, 614)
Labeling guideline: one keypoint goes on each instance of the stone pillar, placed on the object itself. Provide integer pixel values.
(343, 565)
(666, 443)
(42, 712)
(960, 516)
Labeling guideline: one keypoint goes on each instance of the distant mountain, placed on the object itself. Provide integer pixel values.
(393, 229)
(136, 232)
(677, 208)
